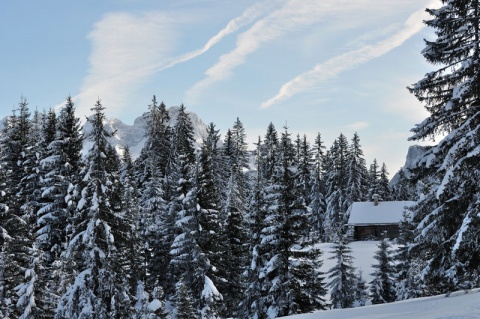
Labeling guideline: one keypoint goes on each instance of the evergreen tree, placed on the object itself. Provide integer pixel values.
(185, 308)
(384, 188)
(291, 272)
(131, 243)
(17, 258)
(342, 276)
(235, 155)
(189, 261)
(446, 218)
(361, 294)
(60, 167)
(269, 152)
(357, 172)
(156, 221)
(98, 290)
(374, 178)
(31, 292)
(4, 241)
(155, 232)
(337, 202)
(155, 153)
(253, 305)
(382, 287)
(317, 198)
(305, 164)
(211, 238)
(407, 283)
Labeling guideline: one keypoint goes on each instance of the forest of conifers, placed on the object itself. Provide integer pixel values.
(193, 228)
(186, 232)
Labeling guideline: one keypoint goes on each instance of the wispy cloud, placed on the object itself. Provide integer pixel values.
(293, 15)
(334, 66)
(123, 46)
(357, 126)
(128, 48)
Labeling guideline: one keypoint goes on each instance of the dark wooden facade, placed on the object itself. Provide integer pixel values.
(374, 232)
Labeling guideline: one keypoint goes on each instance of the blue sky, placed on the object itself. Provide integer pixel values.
(328, 66)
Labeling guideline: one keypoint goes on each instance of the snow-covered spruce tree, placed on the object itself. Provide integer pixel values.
(156, 221)
(342, 276)
(269, 152)
(234, 152)
(407, 283)
(309, 291)
(154, 232)
(15, 139)
(361, 294)
(235, 155)
(156, 150)
(184, 303)
(59, 167)
(317, 198)
(35, 299)
(253, 305)
(212, 239)
(4, 239)
(382, 287)
(447, 219)
(304, 162)
(336, 185)
(189, 261)
(8, 220)
(373, 180)
(28, 189)
(384, 188)
(133, 246)
(50, 230)
(357, 172)
(98, 290)
(16, 147)
(292, 282)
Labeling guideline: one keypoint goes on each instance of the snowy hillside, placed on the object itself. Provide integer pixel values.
(457, 305)
(133, 136)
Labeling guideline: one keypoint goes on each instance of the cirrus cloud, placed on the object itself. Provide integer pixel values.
(336, 65)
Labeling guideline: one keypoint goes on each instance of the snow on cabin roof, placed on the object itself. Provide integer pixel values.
(366, 213)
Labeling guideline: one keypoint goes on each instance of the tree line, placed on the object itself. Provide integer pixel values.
(193, 233)
(191, 229)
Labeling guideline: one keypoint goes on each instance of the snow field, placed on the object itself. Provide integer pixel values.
(459, 305)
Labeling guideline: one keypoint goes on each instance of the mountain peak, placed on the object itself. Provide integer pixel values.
(133, 136)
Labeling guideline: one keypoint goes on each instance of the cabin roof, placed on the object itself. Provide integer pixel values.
(366, 213)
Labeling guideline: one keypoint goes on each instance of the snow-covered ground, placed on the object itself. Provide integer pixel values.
(362, 252)
(457, 305)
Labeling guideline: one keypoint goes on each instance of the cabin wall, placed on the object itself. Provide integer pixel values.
(374, 232)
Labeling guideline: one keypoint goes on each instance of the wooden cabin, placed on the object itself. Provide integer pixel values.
(368, 220)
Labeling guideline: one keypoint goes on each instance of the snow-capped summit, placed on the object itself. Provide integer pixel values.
(133, 136)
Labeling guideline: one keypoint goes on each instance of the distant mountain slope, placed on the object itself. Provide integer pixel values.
(414, 155)
(133, 136)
